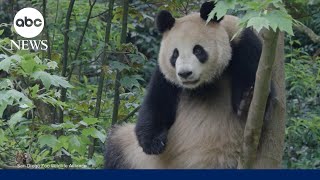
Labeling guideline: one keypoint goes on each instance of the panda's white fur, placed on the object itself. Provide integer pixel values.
(206, 133)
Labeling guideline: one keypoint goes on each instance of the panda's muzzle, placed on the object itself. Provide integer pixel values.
(187, 78)
(185, 74)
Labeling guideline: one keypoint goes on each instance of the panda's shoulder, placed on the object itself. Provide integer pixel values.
(231, 25)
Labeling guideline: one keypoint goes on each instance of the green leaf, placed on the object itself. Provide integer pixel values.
(66, 125)
(84, 139)
(221, 9)
(1, 31)
(74, 141)
(37, 60)
(248, 16)
(278, 19)
(94, 133)
(258, 23)
(100, 135)
(42, 155)
(3, 106)
(130, 81)
(48, 80)
(34, 90)
(52, 65)
(5, 62)
(2, 136)
(63, 142)
(118, 65)
(49, 140)
(90, 121)
(88, 131)
(12, 95)
(44, 77)
(16, 118)
(5, 83)
(286, 26)
(28, 66)
(83, 123)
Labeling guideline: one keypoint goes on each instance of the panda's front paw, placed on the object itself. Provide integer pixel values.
(153, 144)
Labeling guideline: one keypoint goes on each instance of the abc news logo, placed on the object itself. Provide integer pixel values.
(28, 23)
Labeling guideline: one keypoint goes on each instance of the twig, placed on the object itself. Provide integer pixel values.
(98, 14)
(132, 113)
(89, 62)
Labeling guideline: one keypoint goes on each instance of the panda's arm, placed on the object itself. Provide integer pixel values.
(244, 64)
(157, 114)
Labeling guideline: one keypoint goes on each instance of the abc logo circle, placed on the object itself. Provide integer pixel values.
(28, 22)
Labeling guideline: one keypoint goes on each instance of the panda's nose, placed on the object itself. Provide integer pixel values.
(185, 74)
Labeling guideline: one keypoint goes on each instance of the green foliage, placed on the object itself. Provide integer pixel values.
(302, 77)
(302, 143)
(259, 14)
(303, 125)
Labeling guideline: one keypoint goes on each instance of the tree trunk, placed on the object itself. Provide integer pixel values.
(116, 101)
(271, 146)
(264, 139)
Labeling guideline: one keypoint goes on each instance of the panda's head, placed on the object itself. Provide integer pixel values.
(193, 53)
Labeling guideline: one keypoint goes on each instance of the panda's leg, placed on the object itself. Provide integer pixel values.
(157, 114)
(114, 156)
(246, 53)
(124, 152)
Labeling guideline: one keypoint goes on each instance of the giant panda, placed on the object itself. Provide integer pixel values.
(189, 117)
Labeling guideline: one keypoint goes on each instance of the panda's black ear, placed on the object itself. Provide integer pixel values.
(205, 10)
(164, 21)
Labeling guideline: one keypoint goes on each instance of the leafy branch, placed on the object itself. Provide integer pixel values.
(269, 14)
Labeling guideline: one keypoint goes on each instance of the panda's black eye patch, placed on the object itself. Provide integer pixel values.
(174, 57)
(200, 53)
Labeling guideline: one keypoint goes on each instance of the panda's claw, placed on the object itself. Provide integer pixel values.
(154, 145)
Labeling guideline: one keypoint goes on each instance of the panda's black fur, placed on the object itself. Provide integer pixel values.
(244, 64)
(159, 108)
(160, 105)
